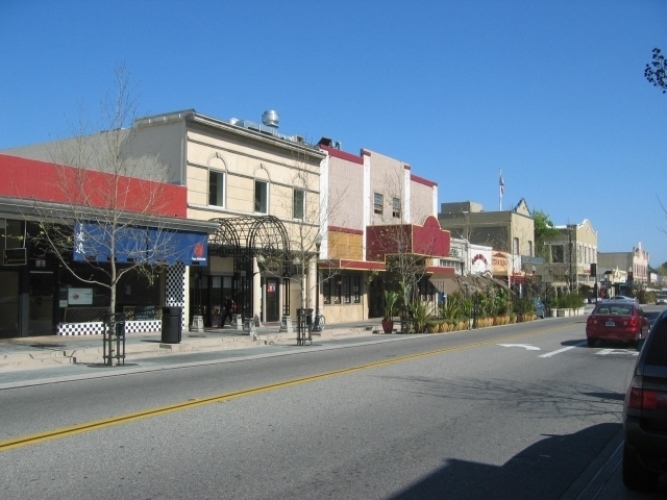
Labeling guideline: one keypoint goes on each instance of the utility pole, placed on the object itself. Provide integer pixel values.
(569, 238)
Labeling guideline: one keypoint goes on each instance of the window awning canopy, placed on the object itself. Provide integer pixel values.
(144, 245)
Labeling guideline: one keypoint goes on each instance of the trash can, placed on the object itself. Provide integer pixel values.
(171, 324)
(117, 320)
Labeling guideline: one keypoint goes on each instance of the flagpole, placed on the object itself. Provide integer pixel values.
(500, 190)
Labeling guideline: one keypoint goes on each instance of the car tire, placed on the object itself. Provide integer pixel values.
(591, 342)
(635, 475)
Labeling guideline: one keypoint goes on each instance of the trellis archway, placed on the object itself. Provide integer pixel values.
(243, 239)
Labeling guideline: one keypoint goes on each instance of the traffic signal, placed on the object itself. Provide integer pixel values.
(594, 270)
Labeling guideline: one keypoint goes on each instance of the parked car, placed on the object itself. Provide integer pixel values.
(645, 413)
(651, 316)
(661, 300)
(540, 309)
(617, 320)
(622, 297)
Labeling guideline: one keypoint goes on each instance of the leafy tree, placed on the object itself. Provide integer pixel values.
(656, 71)
(544, 231)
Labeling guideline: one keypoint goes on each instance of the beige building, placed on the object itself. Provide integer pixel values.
(623, 273)
(569, 257)
(509, 232)
(264, 189)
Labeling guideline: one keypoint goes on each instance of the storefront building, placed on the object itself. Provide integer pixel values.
(40, 295)
(369, 195)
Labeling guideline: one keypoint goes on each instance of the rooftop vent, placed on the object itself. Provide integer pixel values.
(270, 118)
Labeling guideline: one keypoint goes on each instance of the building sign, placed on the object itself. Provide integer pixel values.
(14, 257)
(479, 264)
(500, 263)
(80, 296)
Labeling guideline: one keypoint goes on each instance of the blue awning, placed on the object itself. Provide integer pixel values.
(177, 246)
(139, 244)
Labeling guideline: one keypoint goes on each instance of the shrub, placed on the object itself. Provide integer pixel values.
(419, 315)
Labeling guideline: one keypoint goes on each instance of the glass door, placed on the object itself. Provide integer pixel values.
(40, 321)
(272, 300)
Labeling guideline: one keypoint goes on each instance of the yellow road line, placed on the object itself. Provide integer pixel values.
(130, 417)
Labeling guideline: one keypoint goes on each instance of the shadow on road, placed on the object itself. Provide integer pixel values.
(543, 470)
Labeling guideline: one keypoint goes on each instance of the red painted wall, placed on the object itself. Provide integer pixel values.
(41, 181)
(428, 239)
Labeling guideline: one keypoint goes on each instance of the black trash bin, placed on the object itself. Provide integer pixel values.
(171, 324)
(117, 320)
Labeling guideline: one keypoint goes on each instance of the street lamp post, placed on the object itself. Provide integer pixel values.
(317, 326)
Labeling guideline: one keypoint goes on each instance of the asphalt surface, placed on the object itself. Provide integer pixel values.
(35, 360)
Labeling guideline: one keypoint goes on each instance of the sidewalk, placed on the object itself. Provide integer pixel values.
(37, 360)
(35, 353)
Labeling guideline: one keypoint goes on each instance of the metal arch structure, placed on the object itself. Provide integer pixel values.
(243, 238)
(225, 241)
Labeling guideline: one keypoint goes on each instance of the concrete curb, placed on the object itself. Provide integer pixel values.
(138, 349)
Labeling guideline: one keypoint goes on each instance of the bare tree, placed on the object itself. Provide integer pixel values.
(310, 214)
(405, 264)
(108, 200)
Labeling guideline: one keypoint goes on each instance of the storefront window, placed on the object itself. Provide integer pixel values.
(337, 289)
(356, 289)
(326, 291)
(347, 292)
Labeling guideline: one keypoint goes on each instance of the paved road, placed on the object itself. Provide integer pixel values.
(514, 412)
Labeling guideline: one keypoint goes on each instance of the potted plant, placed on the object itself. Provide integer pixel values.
(390, 303)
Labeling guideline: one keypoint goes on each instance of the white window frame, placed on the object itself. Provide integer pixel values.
(378, 203)
(396, 208)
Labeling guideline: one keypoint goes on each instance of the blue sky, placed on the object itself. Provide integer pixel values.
(551, 92)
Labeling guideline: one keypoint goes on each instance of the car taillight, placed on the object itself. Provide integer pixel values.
(645, 399)
(635, 394)
(631, 322)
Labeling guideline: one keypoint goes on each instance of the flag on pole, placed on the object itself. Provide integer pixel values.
(502, 183)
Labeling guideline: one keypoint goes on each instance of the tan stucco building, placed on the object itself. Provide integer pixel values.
(570, 254)
(509, 232)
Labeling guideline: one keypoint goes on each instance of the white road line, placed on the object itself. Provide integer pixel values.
(553, 353)
(525, 346)
(605, 352)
